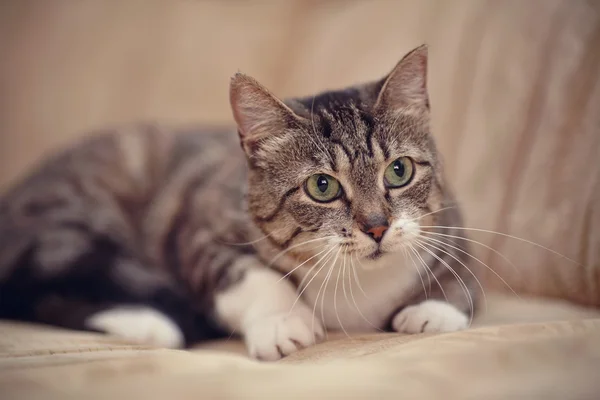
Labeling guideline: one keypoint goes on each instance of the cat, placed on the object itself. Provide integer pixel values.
(174, 236)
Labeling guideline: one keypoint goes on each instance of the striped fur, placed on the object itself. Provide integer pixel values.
(177, 219)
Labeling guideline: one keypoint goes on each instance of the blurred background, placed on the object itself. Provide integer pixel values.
(513, 84)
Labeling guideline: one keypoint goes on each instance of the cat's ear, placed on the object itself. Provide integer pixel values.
(405, 88)
(258, 113)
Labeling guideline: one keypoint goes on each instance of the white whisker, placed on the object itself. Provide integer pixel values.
(302, 288)
(429, 271)
(304, 262)
(406, 254)
(515, 268)
(282, 253)
(337, 282)
(252, 241)
(460, 281)
(344, 277)
(508, 236)
(356, 276)
(324, 288)
(354, 299)
(479, 261)
(461, 263)
(430, 213)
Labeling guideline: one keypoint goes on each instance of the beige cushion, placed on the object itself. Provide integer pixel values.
(556, 357)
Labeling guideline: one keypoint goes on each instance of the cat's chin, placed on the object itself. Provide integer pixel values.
(377, 259)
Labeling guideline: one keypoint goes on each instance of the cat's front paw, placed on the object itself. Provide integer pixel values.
(276, 336)
(430, 316)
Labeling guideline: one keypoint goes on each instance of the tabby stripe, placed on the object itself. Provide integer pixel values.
(279, 207)
(384, 147)
(332, 158)
(347, 202)
(296, 232)
(221, 277)
(41, 207)
(345, 149)
(326, 128)
(387, 195)
(170, 246)
(369, 140)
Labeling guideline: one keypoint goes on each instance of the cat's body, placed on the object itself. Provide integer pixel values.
(176, 236)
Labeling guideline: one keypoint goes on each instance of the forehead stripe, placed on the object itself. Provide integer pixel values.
(279, 207)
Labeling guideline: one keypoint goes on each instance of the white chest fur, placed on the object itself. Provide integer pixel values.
(360, 299)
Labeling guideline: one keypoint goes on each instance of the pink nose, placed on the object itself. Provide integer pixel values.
(377, 232)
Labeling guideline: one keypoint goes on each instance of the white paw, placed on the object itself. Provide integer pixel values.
(138, 324)
(430, 316)
(277, 336)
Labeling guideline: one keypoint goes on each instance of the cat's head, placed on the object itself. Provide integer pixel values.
(353, 169)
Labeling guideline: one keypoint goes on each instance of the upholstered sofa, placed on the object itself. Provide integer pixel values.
(515, 99)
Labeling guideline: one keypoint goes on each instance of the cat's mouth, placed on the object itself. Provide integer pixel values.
(377, 254)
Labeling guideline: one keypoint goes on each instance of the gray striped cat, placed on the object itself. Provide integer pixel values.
(319, 222)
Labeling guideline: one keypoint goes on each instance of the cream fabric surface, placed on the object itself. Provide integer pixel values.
(515, 99)
(548, 359)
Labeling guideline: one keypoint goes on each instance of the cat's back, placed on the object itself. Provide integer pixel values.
(107, 182)
(127, 161)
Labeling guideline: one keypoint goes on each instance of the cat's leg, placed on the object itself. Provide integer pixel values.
(446, 306)
(138, 323)
(266, 311)
(79, 280)
(152, 309)
(430, 316)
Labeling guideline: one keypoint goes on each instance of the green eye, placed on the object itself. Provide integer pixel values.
(398, 173)
(323, 188)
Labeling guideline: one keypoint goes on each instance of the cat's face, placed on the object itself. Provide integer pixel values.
(352, 171)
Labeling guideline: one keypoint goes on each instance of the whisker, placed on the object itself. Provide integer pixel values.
(304, 262)
(310, 274)
(356, 276)
(406, 254)
(508, 236)
(282, 253)
(515, 268)
(461, 263)
(416, 253)
(354, 298)
(430, 213)
(458, 278)
(303, 288)
(308, 284)
(337, 282)
(324, 288)
(479, 261)
(344, 277)
(252, 241)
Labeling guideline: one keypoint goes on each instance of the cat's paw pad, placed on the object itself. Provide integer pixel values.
(277, 336)
(138, 324)
(430, 316)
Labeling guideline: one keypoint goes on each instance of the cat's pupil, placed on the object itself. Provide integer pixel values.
(322, 183)
(399, 168)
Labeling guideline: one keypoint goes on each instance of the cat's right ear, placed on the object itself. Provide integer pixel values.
(258, 113)
(405, 88)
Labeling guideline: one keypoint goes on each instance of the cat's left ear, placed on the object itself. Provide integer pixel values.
(405, 88)
(258, 113)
